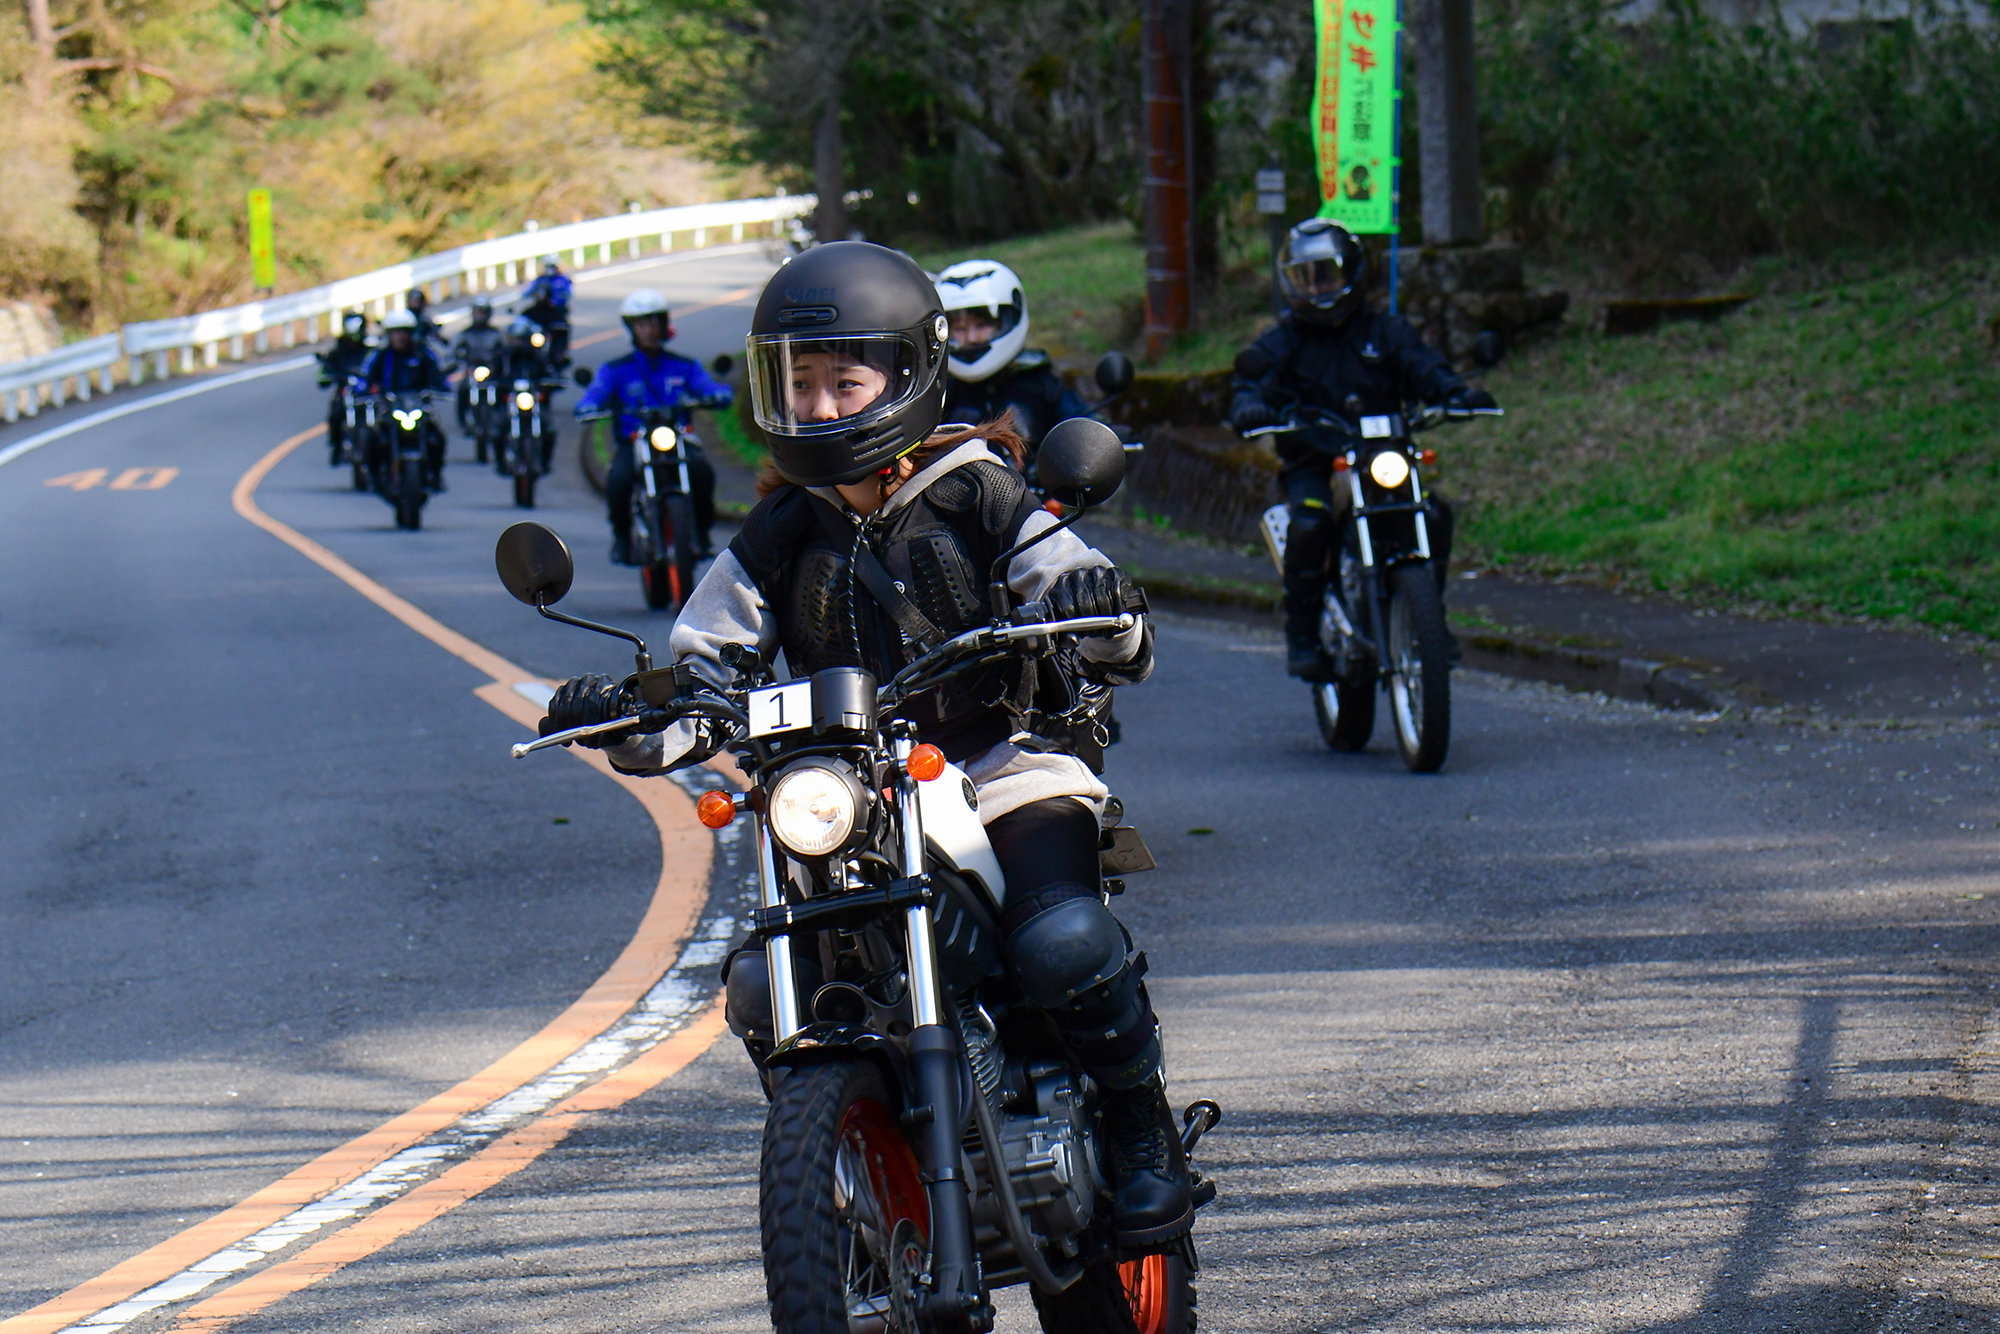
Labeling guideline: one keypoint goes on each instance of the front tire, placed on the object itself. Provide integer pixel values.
(1154, 1294)
(410, 495)
(836, 1178)
(524, 489)
(1419, 668)
(680, 515)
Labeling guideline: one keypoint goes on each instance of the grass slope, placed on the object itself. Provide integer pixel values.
(1833, 452)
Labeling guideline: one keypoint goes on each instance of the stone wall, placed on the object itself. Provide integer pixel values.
(26, 331)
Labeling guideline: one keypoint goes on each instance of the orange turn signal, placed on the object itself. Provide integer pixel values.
(925, 763)
(1427, 457)
(1339, 463)
(715, 809)
(1054, 507)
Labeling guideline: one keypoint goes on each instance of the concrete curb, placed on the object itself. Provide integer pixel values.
(1665, 684)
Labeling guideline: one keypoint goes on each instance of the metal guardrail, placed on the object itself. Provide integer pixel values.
(91, 359)
(479, 267)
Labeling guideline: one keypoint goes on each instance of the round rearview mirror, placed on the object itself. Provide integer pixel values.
(722, 365)
(534, 564)
(1115, 373)
(582, 376)
(1252, 363)
(1081, 462)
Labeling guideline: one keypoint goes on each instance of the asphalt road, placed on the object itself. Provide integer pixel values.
(1627, 1021)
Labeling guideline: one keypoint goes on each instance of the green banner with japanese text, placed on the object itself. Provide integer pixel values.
(263, 254)
(1354, 112)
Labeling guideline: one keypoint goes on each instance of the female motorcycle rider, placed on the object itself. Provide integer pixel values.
(846, 362)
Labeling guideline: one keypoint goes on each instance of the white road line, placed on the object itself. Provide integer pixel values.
(682, 992)
(55, 433)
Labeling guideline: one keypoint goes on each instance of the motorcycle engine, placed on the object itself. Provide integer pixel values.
(1050, 1158)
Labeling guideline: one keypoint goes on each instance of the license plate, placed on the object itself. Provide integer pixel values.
(785, 708)
(1377, 428)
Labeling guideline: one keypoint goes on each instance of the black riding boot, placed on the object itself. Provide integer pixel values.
(1151, 1201)
(1303, 590)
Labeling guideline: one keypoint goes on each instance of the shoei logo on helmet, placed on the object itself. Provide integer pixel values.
(796, 296)
(803, 315)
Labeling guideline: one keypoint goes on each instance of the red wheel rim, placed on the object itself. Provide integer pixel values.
(870, 1130)
(1145, 1281)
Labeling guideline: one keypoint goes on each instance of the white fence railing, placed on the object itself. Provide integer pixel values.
(478, 267)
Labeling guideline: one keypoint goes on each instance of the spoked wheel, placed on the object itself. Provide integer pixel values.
(1154, 1294)
(1420, 668)
(1346, 714)
(844, 1213)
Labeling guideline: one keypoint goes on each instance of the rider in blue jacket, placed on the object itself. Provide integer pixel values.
(650, 377)
(403, 364)
(548, 306)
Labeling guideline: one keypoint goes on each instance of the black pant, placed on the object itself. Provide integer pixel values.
(623, 476)
(1318, 504)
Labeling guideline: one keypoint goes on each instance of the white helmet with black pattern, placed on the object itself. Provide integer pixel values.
(993, 289)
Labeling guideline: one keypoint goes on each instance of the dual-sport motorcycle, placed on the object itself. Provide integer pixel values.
(929, 1138)
(529, 445)
(484, 419)
(349, 420)
(1382, 622)
(399, 470)
(664, 538)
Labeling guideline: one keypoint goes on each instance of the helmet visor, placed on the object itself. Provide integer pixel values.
(1320, 280)
(801, 384)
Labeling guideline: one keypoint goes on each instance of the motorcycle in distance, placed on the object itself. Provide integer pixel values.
(482, 410)
(350, 417)
(1383, 589)
(400, 471)
(530, 442)
(663, 529)
(929, 1138)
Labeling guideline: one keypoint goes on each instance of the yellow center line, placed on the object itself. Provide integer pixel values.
(685, 854)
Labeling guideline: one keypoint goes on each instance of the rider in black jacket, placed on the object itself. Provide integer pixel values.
(346, 357)
(1330, 350)
(480, 345)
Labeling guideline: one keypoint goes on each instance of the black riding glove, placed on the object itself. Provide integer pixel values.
(1101, 590)
(582, 701)
(1468, 399)
(1248, 416)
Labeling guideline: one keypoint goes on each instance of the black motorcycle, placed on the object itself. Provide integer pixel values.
(485, 420)
(400, 468)
(929, 1138)
(1382, 621)
(529, 445)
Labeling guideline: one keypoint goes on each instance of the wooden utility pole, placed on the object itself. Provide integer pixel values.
(1164, 39)
(1448, 118)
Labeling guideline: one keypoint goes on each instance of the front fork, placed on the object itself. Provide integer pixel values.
(1370, 577)
(935, 1118)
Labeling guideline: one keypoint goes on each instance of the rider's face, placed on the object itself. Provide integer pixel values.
(972, 328)
(649, 331)
(827, 386)
(399, 340)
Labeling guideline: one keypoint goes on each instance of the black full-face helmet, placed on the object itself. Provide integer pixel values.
(1321, 272)
(846, 362)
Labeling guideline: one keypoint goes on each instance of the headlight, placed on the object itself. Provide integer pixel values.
(407, 420)
(813, 810)
(1389, 469)
(480, 373)
(524, 400)
(536, 340)
(664, 439)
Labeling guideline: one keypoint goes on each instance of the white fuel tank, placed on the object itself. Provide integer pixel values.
(950, 807)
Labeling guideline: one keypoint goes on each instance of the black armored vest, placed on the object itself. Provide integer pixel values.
(938, 548)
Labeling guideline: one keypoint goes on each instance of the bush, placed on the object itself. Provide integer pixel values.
(1685, 137)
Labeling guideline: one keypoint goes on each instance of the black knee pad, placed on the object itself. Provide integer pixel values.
(747, 981)
(1073, 946)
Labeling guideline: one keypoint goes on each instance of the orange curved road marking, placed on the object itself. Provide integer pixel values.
(685, 855)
